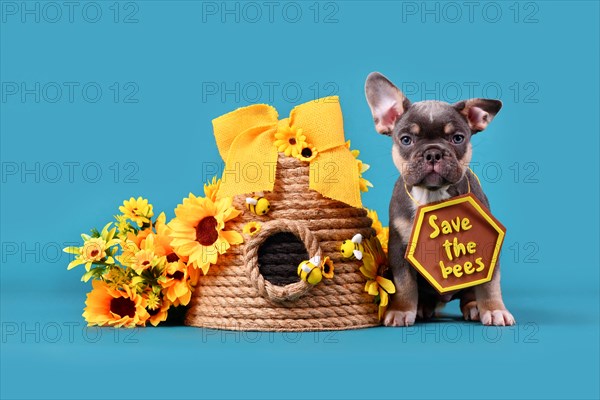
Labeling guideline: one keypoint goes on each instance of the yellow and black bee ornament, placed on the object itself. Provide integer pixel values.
(353, 249)
(258, 204)
(311, 270)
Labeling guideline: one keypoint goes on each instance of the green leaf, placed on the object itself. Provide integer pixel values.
(75, 263)
(71, 250)
(377, 299)
(87, 276)
(111, 234)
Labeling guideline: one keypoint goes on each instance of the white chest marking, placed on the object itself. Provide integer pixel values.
(426, 196)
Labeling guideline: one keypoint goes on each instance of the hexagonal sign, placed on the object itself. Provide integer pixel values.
(455, 243)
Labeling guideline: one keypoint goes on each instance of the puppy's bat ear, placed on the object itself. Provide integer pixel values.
(478, 112)
(386, 101)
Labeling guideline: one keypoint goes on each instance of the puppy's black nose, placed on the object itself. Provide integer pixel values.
(432, 155)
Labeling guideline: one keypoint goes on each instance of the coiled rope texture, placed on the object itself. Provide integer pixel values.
(235, 296)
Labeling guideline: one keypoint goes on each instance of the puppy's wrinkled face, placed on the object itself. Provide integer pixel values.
(432, 139)
(432, 145)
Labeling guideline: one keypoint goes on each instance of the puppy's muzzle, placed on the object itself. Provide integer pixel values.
(433, 155)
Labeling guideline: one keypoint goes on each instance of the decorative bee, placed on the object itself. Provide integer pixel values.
(310, 270)
(258, 204)
(353, 249)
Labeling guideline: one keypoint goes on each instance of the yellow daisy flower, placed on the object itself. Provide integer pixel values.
(142, 260)
(198, 230)
(138, 210)
(119, 308)
(148, 252)
(307, 153)
(94, 249)
(175, 283)
(211, 188)
(327, 268)
(251, 228)
(289, 140)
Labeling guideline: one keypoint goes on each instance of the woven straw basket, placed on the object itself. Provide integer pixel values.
(255, 286)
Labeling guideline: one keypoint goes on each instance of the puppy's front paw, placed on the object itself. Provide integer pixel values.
(470, 311)
(399, 318)
(425, 311)
(497, 318)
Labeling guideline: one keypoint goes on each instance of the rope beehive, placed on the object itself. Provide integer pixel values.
(254, 286)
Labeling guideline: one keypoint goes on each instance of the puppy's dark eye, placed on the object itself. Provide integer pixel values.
(405, 140)
(458, 139)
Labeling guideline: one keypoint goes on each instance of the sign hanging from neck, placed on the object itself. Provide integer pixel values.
(455, 243)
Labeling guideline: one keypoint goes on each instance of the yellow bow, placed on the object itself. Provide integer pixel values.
(245, 138)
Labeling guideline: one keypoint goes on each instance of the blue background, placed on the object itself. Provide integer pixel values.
(538, 162)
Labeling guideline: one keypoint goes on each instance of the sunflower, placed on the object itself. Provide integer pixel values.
(175, 283)
(198, 230)
(194, 274)
(374, 266)
(289, 140)
(251, 228)
(95, 250)
(382, 232)
(327, 268)
(307, 153)
(119, 308)
(211, 188)
(376, 285)
(138, 210)
(384, 238)
(138, 236)
(162, 237)
(376, 223)
(162, 241)
(141, 258)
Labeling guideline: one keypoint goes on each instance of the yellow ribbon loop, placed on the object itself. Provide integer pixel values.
(245, 138)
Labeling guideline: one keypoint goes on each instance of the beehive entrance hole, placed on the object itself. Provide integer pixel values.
(279, 256)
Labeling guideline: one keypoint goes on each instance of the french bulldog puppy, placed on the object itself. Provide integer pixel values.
(432, 150)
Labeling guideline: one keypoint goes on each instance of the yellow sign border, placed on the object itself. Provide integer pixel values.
(469, 198)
